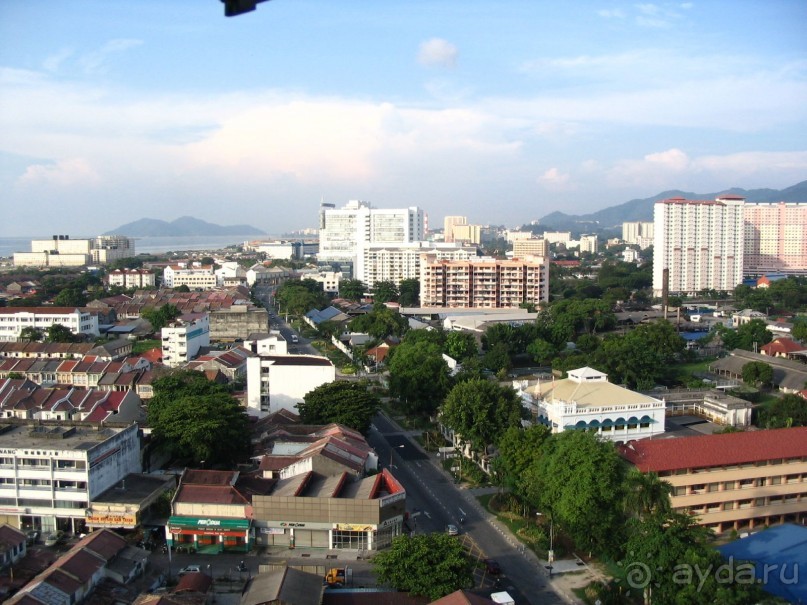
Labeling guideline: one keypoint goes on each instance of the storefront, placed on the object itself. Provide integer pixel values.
(208, 535)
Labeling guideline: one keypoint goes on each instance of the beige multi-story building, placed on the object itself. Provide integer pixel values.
(637, 232)
(61, 251)
(699, 243)
(588, 243)
(531, 247)
(131, 278)
(775, 239)
(558, 237)
(196, 276)
(736, 481)
(449, 223)
(483, 283)
(471, 234)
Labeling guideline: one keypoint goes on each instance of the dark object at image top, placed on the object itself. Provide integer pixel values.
(233, 8)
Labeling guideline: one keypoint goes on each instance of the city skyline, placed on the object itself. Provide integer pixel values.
(501, 112)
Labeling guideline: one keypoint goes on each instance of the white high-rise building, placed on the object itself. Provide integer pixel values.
(344, 232)
(396, 262)
(636, 232)
(700, 243)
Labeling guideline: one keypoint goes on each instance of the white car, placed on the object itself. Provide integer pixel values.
(452, 530)
(190, 569)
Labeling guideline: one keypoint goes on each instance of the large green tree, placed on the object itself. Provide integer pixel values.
(461, 345)
(428, 565)
(380, 322)
(59, 333)
(348, 403)
(670, 561)
(646, 493)
(298, 297)
(351, 289)
(196, 419)
(409, 292)
(786, 411)
(385, 291)
(579, 481)
(160, 317)
(31, 334)
(418, 375)
(519, 448)
(70, 297)
(757, 373)
(479, 411)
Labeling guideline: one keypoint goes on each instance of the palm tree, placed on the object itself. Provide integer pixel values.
(646, 494)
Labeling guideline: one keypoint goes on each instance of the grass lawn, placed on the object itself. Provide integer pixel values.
(141, 346)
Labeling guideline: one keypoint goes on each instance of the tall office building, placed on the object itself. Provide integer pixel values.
(343, 232)
(449, 223)
(700, 243)
(775, 239)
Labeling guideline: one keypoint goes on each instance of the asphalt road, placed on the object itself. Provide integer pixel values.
(432, 494)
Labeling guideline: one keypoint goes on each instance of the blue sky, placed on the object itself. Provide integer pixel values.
(503, 111)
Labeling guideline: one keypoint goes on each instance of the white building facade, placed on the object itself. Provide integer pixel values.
(61, 251)
(587, 401)
(196, 277)
(14, 319)
(131, 278)
(345, 231)
(700, 243)
(396, 262)
(49, 475)
(277, 382)
(775, 239)
(184, 337)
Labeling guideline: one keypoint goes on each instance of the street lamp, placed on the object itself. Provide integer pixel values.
(391, 451)
(550, 554)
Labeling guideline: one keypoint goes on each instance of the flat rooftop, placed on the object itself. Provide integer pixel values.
(41, 437)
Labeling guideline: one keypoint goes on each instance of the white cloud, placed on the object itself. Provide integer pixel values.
(437, 53)
(554, 179)
(64, 173)
(53, 62)
(95, 62)
(611, 13)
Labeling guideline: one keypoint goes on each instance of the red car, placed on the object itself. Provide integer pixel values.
(492, 567)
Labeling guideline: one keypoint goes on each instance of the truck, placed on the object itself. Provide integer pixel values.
(337, 577)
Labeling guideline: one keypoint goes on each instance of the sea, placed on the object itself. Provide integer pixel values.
(148, 245)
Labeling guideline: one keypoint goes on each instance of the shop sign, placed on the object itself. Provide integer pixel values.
(390, 522)
(291, 524)
(273, 530)
(205, 523)
(297, 524)
(353, 527)
(392, 499)
(115, 520)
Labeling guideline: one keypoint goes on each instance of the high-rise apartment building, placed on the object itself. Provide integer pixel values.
(484, 283)
(588, 243)
(396, 262)
(530, 247)
(344, 232)
(775, 239)
(634, 232)
(699, 243)
(471, 234)
(449, 223)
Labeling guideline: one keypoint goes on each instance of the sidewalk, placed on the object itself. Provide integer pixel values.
(567, 574)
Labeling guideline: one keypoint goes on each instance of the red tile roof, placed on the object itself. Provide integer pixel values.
(782, 346)
(716, 450)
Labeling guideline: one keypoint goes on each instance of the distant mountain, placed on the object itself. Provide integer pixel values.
(642, 209)
(184, 225)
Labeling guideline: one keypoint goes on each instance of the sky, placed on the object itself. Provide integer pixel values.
(499, 110)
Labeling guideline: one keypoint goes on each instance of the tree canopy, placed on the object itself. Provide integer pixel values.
(196, 419)
(786, 411)
(300, 296)
(351, 289)
(418, 375)
(385, 291)
(409, 292)
(757, 373)
(429, 565)
(348, 403)
(160, 317)
(579, 482)
(380, 322)
(480, 411)
(59, 333)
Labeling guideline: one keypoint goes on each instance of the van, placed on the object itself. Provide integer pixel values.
(294, 339)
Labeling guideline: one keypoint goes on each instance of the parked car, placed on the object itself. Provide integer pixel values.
(190, 569)
(31, 536)
(452, 530)
(492, 567)
(294, 339)
(54, 538)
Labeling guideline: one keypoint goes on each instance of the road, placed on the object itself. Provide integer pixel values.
(439, 501)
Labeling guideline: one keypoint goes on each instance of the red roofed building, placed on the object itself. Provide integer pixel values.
(731, 481)
(782, 347)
